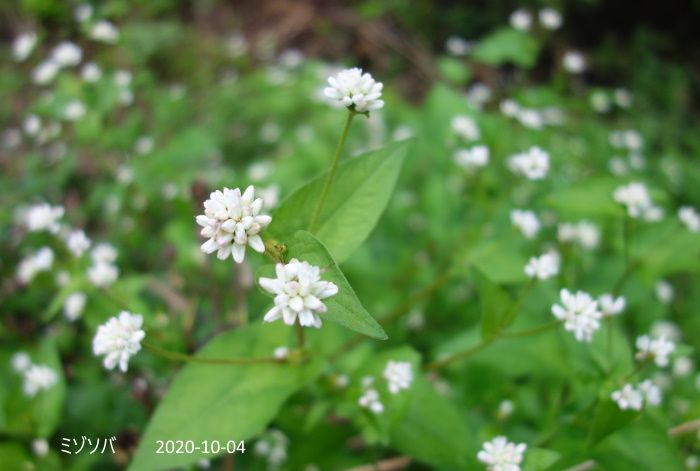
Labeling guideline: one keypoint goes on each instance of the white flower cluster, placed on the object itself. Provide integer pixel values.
(574, 62)
(37, 378)
(298, 291)
(580, 314)
(664, 291)
(543, 267)
(38, 262)
(532, 118)
(232, 221)
(635, 197)
(104, 31)
(23, 45)
(77, 242)
(74, 305)
(629, 139)
(399, 375)
(355, 90)
(690, 217)
(654, 348)
(370, 397)
(43, 217)
(119, 339)
(584, 233)
(103, 272)
(526, 222)
(533, 164)
(273, 446)
(630, 397)
(474, 157)
(465, 127)
(501, 455)
(610, 305)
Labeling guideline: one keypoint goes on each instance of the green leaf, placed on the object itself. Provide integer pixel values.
(539, 459)
(499, 260)
(358, 196)
(221, 402)
(609, 418)
(495, 305)
(344, 308)
(590, 198)
(507, 45)
(454, 70)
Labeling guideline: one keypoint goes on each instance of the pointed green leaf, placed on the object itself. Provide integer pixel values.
(358, 196)
(495, 305)
(221, 402)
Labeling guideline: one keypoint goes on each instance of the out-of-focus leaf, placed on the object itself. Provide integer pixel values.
(495, 304)
(507, 45)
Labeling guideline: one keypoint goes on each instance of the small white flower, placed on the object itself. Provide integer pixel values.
(356, 90)
(280, 353)
(651, 392)
(654, 348)
(623, 98)
(102, 274)
(119, 339)
(635, 197)
(574, 62)
(682, 366)
(530, 118)
(580, 314)
(67, 54)
(690, 217)
(40, 447)
(23, 46)
(29, 267)
(144, 145)
(458, 47)
(38, 378)
(104, 252)
(474, 157)
(600, 102)
(77, 242)
(32, 125)
(664, 291)
(509, 108)
(501, 455)
(104, 31)
(610, 305)
(628, 398)
(74, 110)
(91, 72)
(399, 375)
(526, 222)
(370, 400)
(666, 329)
(478, 95)
(82, 12)
(122, 78)
(44, 217)
(543, 267)
(550, 18)
(298, 291)
(521, 20)
(231, 221)
(465, 127)
(20, 362)
(505, 409)
(533, 164)
(74, 305)
(45, 72)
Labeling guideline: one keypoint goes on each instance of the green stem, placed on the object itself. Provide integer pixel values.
(436, 365)
(177, 356)
(300, 335)
(331, 173)
(640, 366)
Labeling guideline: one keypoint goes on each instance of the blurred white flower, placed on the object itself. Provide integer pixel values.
(280, 353)
(505, 409)
(585, 233)
(67, 54)
(623, 98)
(104, 252)
(104, 31)
(32, 125)
(370, 400)
(270, 132)
(474, 157)
(636, 198)
(509, 108)
(236, 45)
(530, 118)
(533, 164)
(77, 242)
(231, 221)
(574, 62)
(91, 72)
(550, 18)
(39, 261)
(478, 94)
(119, 339)
(628, 398)
(273, 446)
(580, 314)
(122, 78)
(23, 45)
(74, 110)
(465, 127)
(11, 138)
(20, 362)
(543, 267)
(682, 366)
(291, 58)
(355, 90)
(610, 305)
(666, 329)
(600, 102)
(457, 47)
(298, 291)
(38, 378)
(45, 72)
(521, 20)
(144, 145)
(82, 12)
(74, 305)
(43, 217)
(270, 196)
(690, 217)
(102, 274)
(656, 349)
(501, 455)
(650, 392)
(526, 222)
(40, 447)
(664, 291)
(399, 375)
(630, 139)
